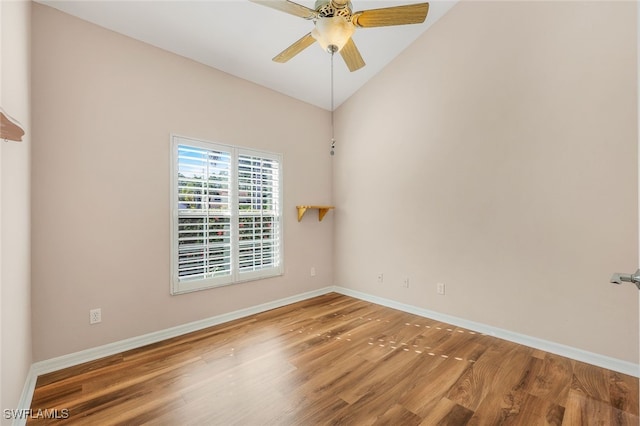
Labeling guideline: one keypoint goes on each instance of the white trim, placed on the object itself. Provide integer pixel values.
(92, 354)
(235, 154)
(76, 358)
(603, 361)
(65, 361)
(26, 396)
(54, 364)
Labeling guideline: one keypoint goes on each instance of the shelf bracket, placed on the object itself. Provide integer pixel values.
(322, 211)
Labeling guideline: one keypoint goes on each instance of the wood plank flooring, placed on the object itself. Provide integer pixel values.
(336, 360)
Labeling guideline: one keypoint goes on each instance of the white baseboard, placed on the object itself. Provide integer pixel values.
(603, 361)
(25, 397)
(69, 360)
(91, 354)
(54, 364)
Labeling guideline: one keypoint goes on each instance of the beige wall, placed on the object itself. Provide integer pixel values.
(15, 311)
(498, 155)
(104, 108)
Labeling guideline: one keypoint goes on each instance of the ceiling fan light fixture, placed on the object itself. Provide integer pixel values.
(333, 31)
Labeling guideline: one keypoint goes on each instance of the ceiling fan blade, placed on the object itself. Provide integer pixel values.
(351, 56)
(289, 7)
(398, 15)
(294, 49)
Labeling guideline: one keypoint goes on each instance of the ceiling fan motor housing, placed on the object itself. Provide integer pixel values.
(327, 9)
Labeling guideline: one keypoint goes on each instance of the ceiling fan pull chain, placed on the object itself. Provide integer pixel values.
(333, 136)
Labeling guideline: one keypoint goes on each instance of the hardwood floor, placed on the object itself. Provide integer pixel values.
(336, 360)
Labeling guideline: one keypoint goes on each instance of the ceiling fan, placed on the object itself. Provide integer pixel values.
(335, 22)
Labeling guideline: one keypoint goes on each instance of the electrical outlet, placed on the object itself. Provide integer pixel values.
(95, 316)
(405, 283)
(313, 271)
(440, 288)
(380, 278)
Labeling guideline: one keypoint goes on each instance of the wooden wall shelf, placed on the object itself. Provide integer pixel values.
(322, 210)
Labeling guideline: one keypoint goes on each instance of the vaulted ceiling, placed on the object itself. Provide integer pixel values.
(240, 38)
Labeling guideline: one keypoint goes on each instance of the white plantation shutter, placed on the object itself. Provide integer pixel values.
(258, 213)
(226, 215)
(204, 213)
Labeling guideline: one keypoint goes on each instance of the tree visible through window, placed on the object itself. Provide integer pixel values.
(226, 215)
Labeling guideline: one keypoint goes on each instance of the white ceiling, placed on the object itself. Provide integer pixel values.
(240, 38)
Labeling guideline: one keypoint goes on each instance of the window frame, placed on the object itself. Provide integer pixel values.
(180, 286)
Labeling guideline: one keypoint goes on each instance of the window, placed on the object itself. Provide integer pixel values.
(226, 215)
